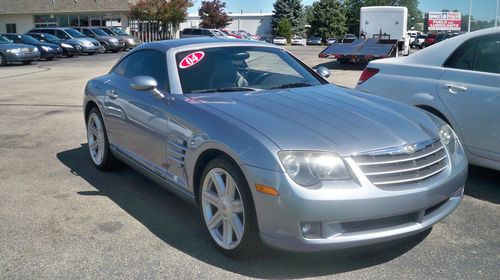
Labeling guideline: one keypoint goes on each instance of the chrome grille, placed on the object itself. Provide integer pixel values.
(396, 167)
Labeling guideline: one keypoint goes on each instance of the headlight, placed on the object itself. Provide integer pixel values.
(113, 40)
(45, 48)
(68, 46)
(309, 167)
(449, 138)
(86, 44)
(14, 51)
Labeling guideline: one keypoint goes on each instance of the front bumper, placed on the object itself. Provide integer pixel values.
(92, 49)
(22, 57)
(352, 213)
(116, 47)
(50, 54)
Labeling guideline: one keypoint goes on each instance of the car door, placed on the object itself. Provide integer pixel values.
(136, 120)
(470, 89)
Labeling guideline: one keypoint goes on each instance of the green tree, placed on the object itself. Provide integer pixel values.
(212, 14)
(308, 14)
(169, 14)
(284, 29)
(291, 10)
(353, 8)
(329, 19)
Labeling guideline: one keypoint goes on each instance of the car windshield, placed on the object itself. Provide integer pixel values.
(120, 32)
(232, 69)
(108, 32)
(4, 40)
(74, 33)
(28, 39)
(48, 37)
(99, 32)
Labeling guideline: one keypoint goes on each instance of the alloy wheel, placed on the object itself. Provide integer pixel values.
(223, 208)
(95, 138)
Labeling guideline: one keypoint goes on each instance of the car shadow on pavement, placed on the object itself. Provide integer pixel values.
(335, 65)
(485, 182)
(178, 224)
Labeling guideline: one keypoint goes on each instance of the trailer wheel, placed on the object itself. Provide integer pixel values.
(343, 61)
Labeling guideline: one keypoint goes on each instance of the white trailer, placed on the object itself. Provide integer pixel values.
(386, 21)
(383, 34)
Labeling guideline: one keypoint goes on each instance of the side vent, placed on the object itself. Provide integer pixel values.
(177, 151)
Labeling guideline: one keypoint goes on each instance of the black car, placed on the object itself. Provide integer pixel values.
(47, 50)
(68, 47)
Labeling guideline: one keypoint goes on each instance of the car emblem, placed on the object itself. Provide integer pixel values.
(410, 148)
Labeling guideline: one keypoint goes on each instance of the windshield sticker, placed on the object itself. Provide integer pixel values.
(191, 59)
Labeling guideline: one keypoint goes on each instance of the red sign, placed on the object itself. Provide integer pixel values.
(191, 59)
(445, 21)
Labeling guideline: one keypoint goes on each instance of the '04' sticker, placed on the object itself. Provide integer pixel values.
(191, 59)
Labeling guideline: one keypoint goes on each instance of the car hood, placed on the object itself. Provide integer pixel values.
(325, 117)
(88, 39)
(15, 46)
(107, 38)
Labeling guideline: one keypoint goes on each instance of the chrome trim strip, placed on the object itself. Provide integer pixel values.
(412, 179)
(400, 160)
(408, 169)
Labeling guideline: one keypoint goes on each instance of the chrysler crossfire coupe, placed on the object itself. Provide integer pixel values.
(269, 150)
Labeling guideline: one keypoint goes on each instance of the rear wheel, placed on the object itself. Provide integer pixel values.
(98, 143)
(104, 48)
(227, 209)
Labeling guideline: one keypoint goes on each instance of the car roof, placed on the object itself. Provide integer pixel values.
(202, 42)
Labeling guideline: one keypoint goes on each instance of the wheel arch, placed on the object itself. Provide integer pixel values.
(88, 106)
(436, 112)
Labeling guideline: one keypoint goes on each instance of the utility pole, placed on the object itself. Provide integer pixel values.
(470, 14)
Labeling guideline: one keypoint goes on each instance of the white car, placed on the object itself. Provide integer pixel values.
(280, 41)
(457, 80)
(298, 41)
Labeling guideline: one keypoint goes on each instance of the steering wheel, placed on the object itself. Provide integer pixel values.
(261, 78)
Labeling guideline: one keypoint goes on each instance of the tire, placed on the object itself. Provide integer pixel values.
(91, 53)
(69, 55)
(28, 62)
(229, 208)
(50, 58)
(343, 61)
(3, 60)
(98, 143)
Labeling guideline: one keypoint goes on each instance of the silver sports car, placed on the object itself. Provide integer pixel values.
(269, 150)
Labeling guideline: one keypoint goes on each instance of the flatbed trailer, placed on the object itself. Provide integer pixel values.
(362, 50)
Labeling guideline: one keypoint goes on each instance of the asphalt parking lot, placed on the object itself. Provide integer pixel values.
(60, 218)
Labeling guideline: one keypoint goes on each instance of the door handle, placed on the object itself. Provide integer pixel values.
(455, 89)
(112, 93)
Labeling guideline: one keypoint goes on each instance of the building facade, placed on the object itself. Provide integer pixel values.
(253, 23)
(19, 16)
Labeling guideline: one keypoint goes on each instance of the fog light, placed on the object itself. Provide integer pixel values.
(311, 230)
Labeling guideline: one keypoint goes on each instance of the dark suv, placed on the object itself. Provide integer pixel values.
(197, 32)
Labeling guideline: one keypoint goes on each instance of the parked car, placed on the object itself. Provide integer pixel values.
(456, 80)
(280, 41)
(413, 35)
(419, 41)
(47, 51)
(350, 37)
(88, 45)
(314, 41)
(130, 41)
(330, 41)
(298, 41)
(269, 150)
(197, 32)
(11, 52)
(69, 48)
(108, 42)
(430, 40)
(228, 35)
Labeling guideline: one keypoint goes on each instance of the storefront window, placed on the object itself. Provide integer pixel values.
(95, 20)
(84, 19)
(62, 20)
(73, 20)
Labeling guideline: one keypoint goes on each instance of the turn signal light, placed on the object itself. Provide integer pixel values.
(267, 190)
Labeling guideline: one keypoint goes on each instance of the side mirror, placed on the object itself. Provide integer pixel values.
(146, 83)
(323, 72)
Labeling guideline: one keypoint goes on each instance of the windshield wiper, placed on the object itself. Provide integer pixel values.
(292, 85)
(225, 89)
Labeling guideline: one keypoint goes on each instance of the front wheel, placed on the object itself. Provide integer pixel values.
(3, 61)
(227, 209)
(98, 143)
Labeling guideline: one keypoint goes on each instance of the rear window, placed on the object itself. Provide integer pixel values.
(187, 31)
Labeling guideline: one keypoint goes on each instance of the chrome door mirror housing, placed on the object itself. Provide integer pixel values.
(146, 83)
(323, 72)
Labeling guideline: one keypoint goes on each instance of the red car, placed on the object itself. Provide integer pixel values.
(430, 40)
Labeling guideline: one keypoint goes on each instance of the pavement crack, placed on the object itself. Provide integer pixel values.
(40, 105)
(43, 68)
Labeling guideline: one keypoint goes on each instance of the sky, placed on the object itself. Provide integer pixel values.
(481, 9)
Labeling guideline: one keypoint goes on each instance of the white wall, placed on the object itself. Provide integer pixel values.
(258, 24)
(23, 22)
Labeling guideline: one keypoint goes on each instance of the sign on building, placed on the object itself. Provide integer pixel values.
(445, 21)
